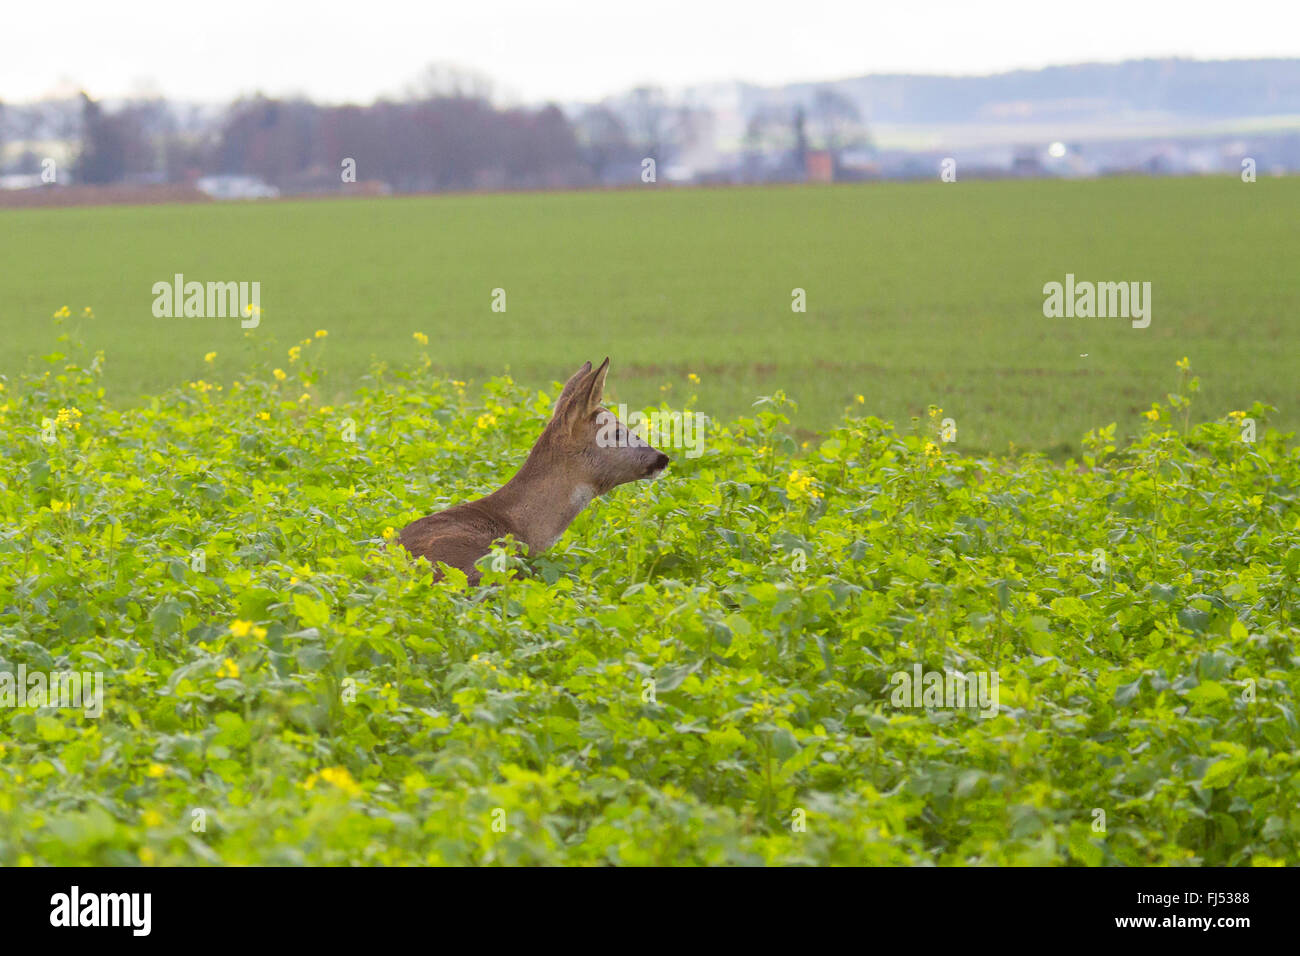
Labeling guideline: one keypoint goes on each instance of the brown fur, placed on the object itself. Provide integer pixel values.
(565, 470)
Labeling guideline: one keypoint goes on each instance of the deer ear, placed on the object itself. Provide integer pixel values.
(594, 390)
(570, 387)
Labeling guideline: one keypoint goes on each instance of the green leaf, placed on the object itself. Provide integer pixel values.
(311, 612)
(784, 743)
(1222, 773)
(1207, 692)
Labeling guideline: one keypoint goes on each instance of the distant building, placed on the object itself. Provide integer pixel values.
(1027, 163)
(236, 187)
(21, 181)
(819, 166)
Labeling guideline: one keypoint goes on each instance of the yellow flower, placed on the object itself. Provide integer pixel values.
(695, 379)
(145, 854)
(228, 668)
(209, 357)
(68, 416)
(1153, 414)
(931, 449)
(340, 778)
(321, 333)
(151, 818)
(420, 337)
(242, 628)
(1183, 363)
(58, 506)
(156, 770)
(485, 420)
(859, 399)
(63, 313)
(294, 352)
(264, 416)
(390, 533)
(799, 485)
(279, 374)
(87, 313)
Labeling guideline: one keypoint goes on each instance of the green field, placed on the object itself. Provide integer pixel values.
(705, 669)
(917, 294)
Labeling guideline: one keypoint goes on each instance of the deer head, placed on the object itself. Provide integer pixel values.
(586, 441)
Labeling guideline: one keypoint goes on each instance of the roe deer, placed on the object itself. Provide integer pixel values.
(583, 452)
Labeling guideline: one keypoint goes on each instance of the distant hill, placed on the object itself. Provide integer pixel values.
(1241, 103)
(1210, 89)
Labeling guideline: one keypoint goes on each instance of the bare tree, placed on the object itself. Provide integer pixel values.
(837, 121)
(602, 140)
(448, 81)
(800, 122)
(113, 146)
(648, 121)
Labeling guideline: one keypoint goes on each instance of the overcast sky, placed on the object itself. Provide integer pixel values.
(585, 49)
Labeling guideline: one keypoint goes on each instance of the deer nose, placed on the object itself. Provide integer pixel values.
(662, 461)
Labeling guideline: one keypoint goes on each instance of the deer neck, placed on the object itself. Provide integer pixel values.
(540, 502)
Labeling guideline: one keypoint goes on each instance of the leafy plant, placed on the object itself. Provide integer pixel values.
(698, 672)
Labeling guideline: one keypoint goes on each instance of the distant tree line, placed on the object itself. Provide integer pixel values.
(445, 132)
(444, 141)
(439, 143)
